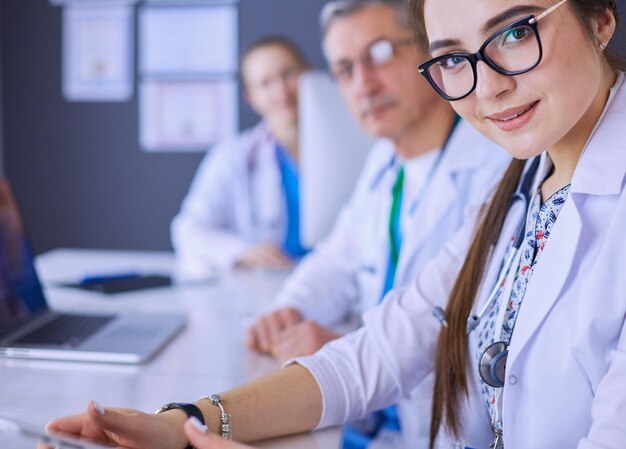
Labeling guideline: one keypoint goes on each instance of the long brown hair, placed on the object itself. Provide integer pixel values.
(451, 385)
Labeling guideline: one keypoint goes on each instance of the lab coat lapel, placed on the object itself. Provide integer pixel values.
(461, 154)
(244, 210)
(374, 233)
(605, 153)
(441, 195)
(549, 277)
(265, 186)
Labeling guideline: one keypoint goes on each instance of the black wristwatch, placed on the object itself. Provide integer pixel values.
(189, 409)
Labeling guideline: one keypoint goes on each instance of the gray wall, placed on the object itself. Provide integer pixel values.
(77, 169)
(78, 172)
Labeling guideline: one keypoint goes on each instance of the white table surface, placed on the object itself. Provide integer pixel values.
(208, 356)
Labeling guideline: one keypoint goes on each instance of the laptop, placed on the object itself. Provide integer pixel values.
(30, 329)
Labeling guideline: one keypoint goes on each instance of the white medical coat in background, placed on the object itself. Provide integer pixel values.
(566, 370)
(346, 273)
(236, 200)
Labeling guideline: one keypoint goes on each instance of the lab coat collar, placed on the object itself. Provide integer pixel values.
(461, 158)
(605, 151)
(465, 150)
(261, 132)
(261, 141)
(387, 160)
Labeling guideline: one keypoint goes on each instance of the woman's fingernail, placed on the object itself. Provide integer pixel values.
(198, 425)
(98, 408)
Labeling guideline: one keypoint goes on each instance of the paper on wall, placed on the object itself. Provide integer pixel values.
(187, 115)
(192, 39)
(98, 53)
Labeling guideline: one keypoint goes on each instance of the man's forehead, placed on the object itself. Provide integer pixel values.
(357, 31)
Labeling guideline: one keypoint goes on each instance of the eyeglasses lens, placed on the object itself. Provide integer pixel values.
(515, 50)
(380, 52)
(511, 52)
(453, 76)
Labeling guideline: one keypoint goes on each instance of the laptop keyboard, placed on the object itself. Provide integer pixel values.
(66, 330)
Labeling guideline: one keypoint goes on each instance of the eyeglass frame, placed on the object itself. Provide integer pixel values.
(366, 58)
(480, 55)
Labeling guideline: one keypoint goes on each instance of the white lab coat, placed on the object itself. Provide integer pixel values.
(346, 273)
(236, 199)
(566, 371)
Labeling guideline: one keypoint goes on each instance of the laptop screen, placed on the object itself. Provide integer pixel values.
(21, 295)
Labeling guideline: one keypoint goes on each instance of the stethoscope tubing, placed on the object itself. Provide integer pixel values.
(522, 194)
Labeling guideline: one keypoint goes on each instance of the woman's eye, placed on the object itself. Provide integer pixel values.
(451, 62)
(515, 35)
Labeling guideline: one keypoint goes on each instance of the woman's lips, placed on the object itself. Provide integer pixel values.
(514, 118)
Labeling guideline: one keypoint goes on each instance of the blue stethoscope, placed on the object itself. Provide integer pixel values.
(493, 361)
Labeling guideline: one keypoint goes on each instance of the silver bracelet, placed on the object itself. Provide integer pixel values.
(225, 429)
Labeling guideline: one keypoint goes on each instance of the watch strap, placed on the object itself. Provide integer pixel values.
(189, 409)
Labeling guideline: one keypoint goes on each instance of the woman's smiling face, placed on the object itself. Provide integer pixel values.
(531, 112)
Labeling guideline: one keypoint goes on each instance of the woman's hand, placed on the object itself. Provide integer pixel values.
(264, 256)
(126, 428)
(200, 439)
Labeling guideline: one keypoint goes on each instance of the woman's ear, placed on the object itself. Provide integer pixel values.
(604, 27)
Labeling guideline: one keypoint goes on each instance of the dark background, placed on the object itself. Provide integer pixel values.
(77, 169)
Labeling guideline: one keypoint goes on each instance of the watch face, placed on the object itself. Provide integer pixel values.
(170, 406)
(163, 408)
(189, 409)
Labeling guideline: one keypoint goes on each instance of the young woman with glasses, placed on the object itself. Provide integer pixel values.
(522, 316)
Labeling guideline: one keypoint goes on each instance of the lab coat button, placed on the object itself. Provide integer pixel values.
(513, 379)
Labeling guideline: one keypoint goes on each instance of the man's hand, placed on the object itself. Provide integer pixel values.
(304, 338)
(264, 255)
(262, 334)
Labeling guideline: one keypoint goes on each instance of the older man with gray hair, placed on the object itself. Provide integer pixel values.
(424, 172)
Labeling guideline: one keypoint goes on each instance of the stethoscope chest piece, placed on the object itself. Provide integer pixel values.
(492, 366)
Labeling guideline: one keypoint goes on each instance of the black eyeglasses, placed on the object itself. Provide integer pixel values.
(377, 54)
(510, 51)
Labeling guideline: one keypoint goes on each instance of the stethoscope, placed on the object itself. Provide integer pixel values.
(258, 219)
(492, 364)
(378, 177)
